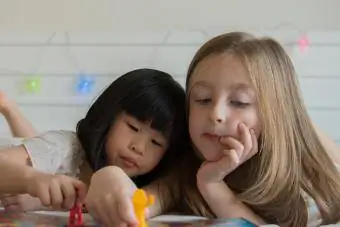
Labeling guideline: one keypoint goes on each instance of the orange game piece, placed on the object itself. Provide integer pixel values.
(141, 201)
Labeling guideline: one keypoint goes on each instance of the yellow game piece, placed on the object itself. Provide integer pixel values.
(141, 201)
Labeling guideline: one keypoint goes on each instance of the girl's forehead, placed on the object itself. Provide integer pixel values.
(219, 70)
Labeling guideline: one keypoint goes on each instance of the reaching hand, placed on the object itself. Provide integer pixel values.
(56, 191)
(238, 153)
(109, 199)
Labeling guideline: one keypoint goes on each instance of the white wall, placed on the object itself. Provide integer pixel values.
(106, 56)
(112, 15)
(108, 38)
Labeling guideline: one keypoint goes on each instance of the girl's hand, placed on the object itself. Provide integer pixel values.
(57, 191)
(21, 203)
(238, 153)
(5, 103)
(109, 197)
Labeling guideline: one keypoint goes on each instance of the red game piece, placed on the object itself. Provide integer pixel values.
(76, 217)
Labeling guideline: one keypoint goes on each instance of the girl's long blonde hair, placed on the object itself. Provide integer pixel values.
(291, 160)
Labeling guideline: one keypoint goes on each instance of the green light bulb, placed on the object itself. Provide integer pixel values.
(32, 84)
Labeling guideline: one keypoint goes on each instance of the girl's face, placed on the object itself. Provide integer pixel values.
(220, 98)
(134, 146)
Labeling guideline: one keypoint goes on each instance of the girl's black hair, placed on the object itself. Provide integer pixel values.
(150, 96)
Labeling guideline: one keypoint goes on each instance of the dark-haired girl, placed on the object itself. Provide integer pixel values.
(137, 124)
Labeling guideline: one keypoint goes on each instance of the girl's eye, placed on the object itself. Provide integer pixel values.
(156, 143)
(203, 101)
(239, 104)
(132, 127)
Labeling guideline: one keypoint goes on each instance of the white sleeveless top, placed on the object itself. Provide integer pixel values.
(55, 152)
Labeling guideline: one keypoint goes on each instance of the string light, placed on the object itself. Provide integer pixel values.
(85, 84)
(303, 42)
(32, 84)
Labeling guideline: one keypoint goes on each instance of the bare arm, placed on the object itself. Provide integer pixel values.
(14, 170)
(19, 125)
(224, 204)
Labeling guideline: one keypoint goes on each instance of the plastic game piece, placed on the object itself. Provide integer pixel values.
(76, 216)
(141, 201)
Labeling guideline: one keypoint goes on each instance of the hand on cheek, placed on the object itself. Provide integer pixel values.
(236, 153)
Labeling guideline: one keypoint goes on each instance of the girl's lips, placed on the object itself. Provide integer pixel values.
(210, 136)
(128, 162)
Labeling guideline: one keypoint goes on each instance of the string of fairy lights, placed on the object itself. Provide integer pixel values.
(85, 83)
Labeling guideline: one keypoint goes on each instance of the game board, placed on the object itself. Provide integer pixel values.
(38, 219)
(54, 219)
(76, 218)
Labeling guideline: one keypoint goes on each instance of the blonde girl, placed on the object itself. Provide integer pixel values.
(255, 153)
(248, 122)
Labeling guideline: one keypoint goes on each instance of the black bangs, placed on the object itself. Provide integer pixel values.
(150, 103)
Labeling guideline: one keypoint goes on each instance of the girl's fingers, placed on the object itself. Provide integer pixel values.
(56, 196)
(246, 138)
(246, 147)
(233, 144)
(254, 149)
(69, 195)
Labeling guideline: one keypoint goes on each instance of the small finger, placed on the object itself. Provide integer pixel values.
(69, 195)
(56, 195)
(246, 138)
(102, 216)
(226, 164)
(91, 210)
(45, 196)
(111, 210)
(126, 210)
(232, 159)
(255, 148)
(81, 191)
(234, 145)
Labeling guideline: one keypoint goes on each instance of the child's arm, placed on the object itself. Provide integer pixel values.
(224, 204)
(18, 124)
(17, 176)
(14, 171)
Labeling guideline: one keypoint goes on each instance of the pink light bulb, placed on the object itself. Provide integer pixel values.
(303, 43)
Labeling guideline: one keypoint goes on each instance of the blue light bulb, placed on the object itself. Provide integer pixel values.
(85, 84)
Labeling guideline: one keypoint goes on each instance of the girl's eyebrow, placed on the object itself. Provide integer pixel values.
(199, 84)
(240, 86)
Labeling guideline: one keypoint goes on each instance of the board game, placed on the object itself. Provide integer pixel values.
(38, 219)
(60, 219)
